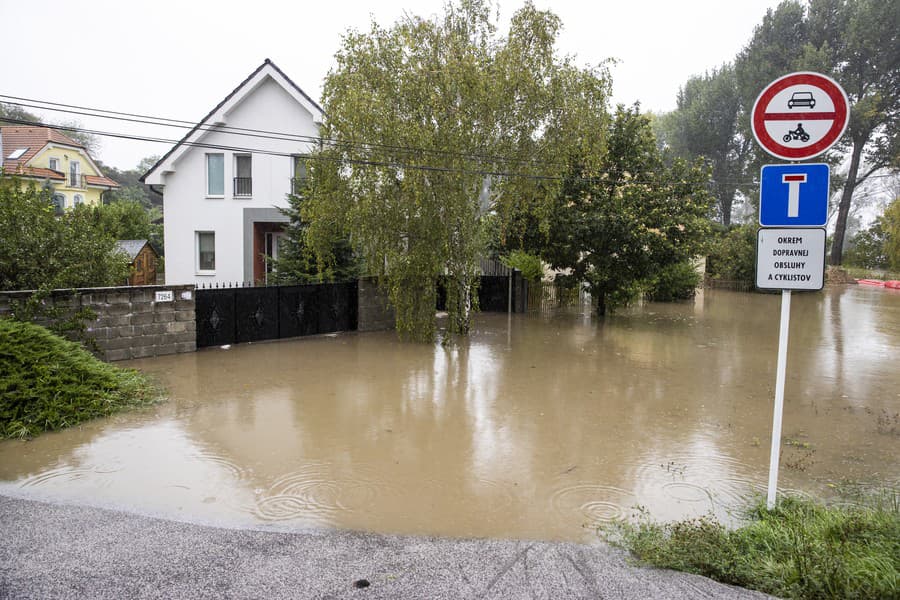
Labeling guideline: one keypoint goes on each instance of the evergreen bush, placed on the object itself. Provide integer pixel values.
(49, 383)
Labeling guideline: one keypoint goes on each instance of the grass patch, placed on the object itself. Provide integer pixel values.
(800, 549)
(861, 273)
(49, 383)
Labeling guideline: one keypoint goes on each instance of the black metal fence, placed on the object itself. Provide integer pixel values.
(495, 293)
(251, 314)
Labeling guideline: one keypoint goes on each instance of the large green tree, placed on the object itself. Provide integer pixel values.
(705, 124)
(890, 223)
(39, 249)
(878, 247)
(297, 261)
(10, 114)
(132, 188)
(130, 219)
(617, 226)
(855, 42)
(435, 124)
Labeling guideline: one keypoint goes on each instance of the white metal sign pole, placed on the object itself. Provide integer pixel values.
(779, 397)
(788, 254)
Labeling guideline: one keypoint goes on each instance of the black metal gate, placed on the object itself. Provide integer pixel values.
(235, 315)
(494, 293)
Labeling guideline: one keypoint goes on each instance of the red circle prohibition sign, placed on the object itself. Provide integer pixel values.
(838, 117)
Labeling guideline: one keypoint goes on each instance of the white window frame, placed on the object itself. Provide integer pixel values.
(77, 199)
(206, 173)
(197, 269)
(53, 161)
(74, 174)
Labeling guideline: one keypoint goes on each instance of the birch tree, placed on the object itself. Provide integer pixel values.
(432, 124)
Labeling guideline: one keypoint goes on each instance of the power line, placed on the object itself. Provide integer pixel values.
(250, 132)
(283, 136)
(356, 162)
(314, 156)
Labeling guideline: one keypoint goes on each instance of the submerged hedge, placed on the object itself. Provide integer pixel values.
(49, 383)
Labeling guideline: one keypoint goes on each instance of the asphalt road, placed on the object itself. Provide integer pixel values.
(65, 551)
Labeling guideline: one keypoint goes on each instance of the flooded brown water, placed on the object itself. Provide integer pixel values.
(535, 427)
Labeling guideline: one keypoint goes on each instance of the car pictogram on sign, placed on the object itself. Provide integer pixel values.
(800, 115)
(802, 99)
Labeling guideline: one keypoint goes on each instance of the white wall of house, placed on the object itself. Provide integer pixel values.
(265, 103)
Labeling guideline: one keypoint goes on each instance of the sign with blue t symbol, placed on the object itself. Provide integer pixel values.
(794, 195)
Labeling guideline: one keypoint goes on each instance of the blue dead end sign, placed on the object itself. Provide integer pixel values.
(794, 195)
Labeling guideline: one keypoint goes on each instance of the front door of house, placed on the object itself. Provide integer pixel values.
(273, 242)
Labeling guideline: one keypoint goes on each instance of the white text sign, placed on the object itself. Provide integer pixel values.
(790, 259)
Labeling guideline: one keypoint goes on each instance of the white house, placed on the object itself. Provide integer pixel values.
(223, 184)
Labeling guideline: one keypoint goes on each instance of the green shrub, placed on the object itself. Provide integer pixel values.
(800, 549)
(677, 281)
(48, 383)
(528, 264)
(867, 249)
(733, 255)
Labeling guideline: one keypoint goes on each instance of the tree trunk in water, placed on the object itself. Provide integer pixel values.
(601, 304)
(840, 226)
(463, 314)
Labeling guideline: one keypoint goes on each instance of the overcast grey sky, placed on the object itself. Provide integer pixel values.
(179, 58)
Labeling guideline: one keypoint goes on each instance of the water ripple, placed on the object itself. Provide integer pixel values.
(315, 491)
(68, 474)
(684, 491)
(598, 503)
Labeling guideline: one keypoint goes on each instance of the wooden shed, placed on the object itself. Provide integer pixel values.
(143, 259)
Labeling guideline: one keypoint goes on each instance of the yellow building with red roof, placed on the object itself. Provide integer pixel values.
(51, 159)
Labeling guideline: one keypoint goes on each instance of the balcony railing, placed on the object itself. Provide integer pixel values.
(76, 180)
(243, 186)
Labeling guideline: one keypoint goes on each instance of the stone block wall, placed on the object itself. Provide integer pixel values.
(131, 322)
(374, 312)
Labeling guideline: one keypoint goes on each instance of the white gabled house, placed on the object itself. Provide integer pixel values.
(224, 183)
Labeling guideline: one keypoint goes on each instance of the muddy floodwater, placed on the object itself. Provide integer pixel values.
(535, 427)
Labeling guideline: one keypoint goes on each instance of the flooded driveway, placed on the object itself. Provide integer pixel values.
(535, 427)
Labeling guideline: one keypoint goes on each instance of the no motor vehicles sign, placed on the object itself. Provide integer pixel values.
(800, 115)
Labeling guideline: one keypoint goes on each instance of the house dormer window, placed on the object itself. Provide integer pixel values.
(215, 175)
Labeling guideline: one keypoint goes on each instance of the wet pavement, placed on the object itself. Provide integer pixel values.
(57, 551)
